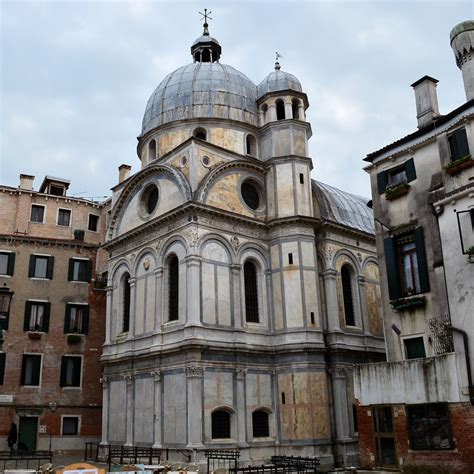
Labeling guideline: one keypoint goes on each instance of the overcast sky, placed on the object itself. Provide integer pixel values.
(76, 76)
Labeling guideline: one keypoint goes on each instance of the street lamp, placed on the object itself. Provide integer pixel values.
(5, 299)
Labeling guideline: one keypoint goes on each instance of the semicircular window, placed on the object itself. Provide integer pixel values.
(150, 198)
(250, 195)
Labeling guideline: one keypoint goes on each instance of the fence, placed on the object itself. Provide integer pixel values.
(221, 459)
(7, 458)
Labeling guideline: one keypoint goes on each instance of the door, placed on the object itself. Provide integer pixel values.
(384, 436)
(27, 433)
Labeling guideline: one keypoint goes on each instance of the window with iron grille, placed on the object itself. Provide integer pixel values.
(126, 303)
(251, 292)
(346, 279)
(430, 427)
(173, 279)
(260, 424)
(220, 421)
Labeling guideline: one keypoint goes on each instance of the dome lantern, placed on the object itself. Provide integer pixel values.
(206, 49)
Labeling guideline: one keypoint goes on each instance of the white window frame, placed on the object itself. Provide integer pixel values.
(41, 278)
(70, 216)
(82, 371)
(8, 252)
(41, 369)
(98, 220)
(44, 213)
(73, 303)
(86, 260)
(79, 421)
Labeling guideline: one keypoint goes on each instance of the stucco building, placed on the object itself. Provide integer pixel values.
(417, 409)
(240, 291)
(54, 330)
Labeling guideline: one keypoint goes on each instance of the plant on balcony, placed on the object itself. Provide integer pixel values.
(470, 254)
(459, 165)
(408, 303)
(74, 338)
(396, 191)
(35, 334)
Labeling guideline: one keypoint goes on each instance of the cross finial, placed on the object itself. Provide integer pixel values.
(277, 64)
(205, 17)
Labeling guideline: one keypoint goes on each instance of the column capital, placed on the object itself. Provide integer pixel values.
(236, 267)
(194, 371)
(338, 372)
(129, 379)
(158, 271)
(156, 375)
(361, 279)
(132, 282)
(193, 260)
(240, 374)
(108, 290)
(104, 381)
(329, 273)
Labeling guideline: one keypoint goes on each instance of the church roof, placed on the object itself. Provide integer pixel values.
(344, 208)
(202, 90)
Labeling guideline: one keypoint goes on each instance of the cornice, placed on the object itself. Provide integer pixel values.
(47, 241)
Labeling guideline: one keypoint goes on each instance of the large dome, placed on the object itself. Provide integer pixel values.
(202, 90)
(279, 80)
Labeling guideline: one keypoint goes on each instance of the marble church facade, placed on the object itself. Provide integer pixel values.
(240, 291)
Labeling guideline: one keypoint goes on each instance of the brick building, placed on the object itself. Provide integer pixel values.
(53, 334)
(417, 408)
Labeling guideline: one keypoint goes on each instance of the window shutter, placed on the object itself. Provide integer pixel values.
(70, 273)
(382, 180)
(392, 268)
(11, 264)
(47, 309)
(23, 369)
(410, 170)
(76, 376)
(49, 269)
(2, 367)
(31, 268)
(26, 322)
(422, 262)
(89, 270)
(67, 319)
(62, 382)
(461, 140)
(36, 370)
(85, 320)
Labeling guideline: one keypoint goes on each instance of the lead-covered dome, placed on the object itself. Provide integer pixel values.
(202, 90)
(278, 80)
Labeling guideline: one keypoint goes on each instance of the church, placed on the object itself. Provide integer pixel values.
(240, 292)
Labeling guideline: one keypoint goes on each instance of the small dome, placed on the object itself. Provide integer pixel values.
(278, 80)
(202, 90)
(205, 39)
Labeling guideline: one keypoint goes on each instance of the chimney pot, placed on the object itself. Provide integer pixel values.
(124, 172)
(426, 100)
(26, 182)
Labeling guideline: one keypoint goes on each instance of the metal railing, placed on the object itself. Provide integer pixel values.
(7, 458)
(221, 459)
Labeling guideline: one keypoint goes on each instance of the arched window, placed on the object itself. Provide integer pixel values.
(280, 109)
(200, 133)
(220, 421)
(260, 424)
(152, 150)
(295, 108)
(126, 303)
(173, 282)
(251, 145)
(346, 277)
(251, 292)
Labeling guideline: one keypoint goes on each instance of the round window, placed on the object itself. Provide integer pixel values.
(150, 198)
(206, 161)
(250, 195)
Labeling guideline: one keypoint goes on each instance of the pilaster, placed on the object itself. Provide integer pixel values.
(332, 307)
(240, 375)
(193, 271)
(236, 271)
(363, 304)
(194, 383)
(108, 325)
(129, 417)
(158, 292)
(105, 410)
(133, 298)
(157, 402)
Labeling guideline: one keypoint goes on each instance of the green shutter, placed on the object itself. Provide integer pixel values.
(2, 367)
(67, 319)
(26, 322)
(89, 270)
(62, 381)
(36, 369)
(393, 276)
(382, 180)
(49, 270)
(85, 320)
(70, 272)
(461, 139)
(76, 375)
(11, 264)
(31, 267)
(23, 369)
(422, 262)
(410, 170)
(47, 310)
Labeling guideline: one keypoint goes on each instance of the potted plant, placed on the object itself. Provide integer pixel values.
(74, 338)
(35, 334)
(470, 254)
(410, 302)
(459, 165)
(396, 191)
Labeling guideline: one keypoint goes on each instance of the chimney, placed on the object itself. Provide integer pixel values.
(124, 172)
(462, 43)
(426, 100)
(26, 182)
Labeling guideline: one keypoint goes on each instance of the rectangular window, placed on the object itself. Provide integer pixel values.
(312, 317)
(80, 270)
(458, 144)
(3, 357)
(7, 263)
(290, 259)
(301, 178)
(37, 213)
(93, 223)
(395, 176)
(41, 266)
(414, 348)
(71, 371)
(31, 370)
(56, 190)
(466, 229)
(36, 316)
(407, 269)
(77, 319)
(64, 217)
(70, 425)
(429, 427)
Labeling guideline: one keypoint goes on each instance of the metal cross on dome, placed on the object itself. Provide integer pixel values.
(205, 16)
